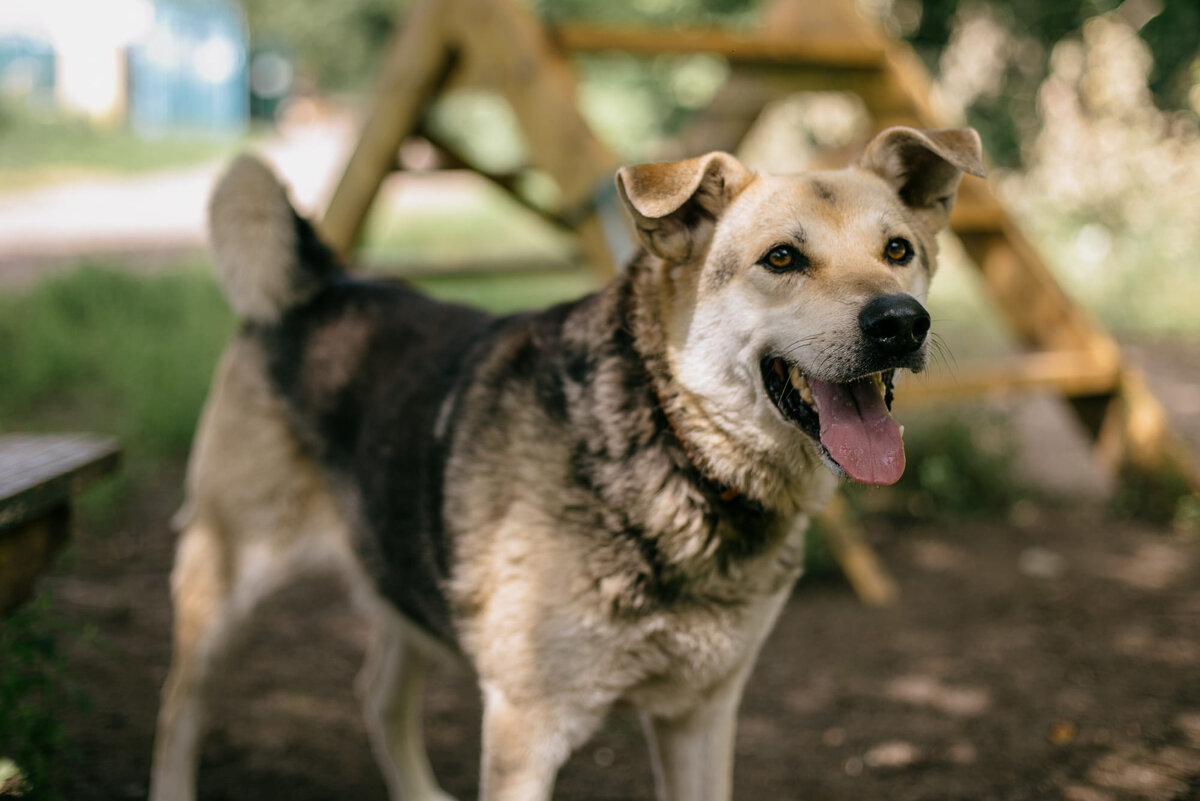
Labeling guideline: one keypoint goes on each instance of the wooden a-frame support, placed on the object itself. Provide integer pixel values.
(801, 46)
(490, 44)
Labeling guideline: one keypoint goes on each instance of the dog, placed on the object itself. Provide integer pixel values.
(604, 502)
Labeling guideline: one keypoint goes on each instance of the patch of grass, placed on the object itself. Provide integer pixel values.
(960, 465)
(40, 148)
(36, 687)
(1140, 282)
(1161, 497)
(105, 351)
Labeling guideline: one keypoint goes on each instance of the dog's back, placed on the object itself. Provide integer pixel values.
(365, 373)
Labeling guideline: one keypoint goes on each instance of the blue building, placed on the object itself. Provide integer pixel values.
(190, 72)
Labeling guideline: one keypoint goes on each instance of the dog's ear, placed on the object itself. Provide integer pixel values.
(924, 167)
(675, 205)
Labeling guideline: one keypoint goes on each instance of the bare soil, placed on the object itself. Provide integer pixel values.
(1055, 655)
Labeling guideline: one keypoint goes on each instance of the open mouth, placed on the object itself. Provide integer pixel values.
(852, 421)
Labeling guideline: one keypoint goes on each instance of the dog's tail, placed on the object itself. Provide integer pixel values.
(267, 257)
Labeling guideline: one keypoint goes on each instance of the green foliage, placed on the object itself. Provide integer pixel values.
(36, 687)
(102, 350)
(818, 556)
(1174, 37)
(1187, 514)
(1005, 117)
(334, 44)
(1160, 497)
(634, 104)
(338, 44)
(37, 147)
(959, 466)
(1138, 288)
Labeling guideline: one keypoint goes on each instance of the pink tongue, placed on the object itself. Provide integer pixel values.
(858, 431)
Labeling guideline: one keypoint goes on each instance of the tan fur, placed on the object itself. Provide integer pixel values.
(258, 517)
(558, 613)
(251, 225)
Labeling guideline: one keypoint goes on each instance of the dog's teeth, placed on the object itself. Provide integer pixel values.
(801, 384)
(901, 432)
(878, 379)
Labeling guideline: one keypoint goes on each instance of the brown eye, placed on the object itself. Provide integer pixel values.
(898, 250)
(782, 258)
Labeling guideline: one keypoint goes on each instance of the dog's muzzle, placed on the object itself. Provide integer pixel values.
(850, 417)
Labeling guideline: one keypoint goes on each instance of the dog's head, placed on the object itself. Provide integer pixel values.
(787, 303)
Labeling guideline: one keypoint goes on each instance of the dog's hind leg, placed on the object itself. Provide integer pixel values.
(214, 590)
(391, 684)
(200, 591)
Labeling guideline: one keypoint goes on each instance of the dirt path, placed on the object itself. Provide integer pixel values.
(1058, 659)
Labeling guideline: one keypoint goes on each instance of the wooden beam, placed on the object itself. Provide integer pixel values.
(1070, 373)
(845, 537)
(740, 48)
(505, 48)
(976, 211)
(39, 474)
(42, 471)
(455, 159)
(1042, 314)
(416, 65)
(26, 551)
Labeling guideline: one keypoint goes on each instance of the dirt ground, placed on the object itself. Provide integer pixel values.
(1055, 655)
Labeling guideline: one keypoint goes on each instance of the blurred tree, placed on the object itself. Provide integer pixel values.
(335, 44)
(1174, 38)
(1006, 112)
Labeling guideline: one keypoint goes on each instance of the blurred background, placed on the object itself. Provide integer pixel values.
(1046, 643)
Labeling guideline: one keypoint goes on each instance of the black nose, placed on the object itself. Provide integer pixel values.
(894, 324)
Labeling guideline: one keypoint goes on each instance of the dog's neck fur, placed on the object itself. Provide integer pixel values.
(673, 529)
(769, 478)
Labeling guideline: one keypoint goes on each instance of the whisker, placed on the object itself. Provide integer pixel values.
(942, 354)
(799, 343)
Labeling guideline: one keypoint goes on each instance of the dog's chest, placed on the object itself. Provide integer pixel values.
(692, 651)
(697, 656)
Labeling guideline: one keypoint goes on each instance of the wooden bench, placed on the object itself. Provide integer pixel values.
(39, 476)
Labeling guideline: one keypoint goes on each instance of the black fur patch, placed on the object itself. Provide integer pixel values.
(313, 255)
(724, 268)
(373, 430)
(374, 426)
(823, 190)
(923, 256)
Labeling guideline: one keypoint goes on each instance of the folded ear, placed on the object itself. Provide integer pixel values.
(675, 205)
(924, 167)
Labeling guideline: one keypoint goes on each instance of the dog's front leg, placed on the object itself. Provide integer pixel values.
(526, 742)
(693, 753)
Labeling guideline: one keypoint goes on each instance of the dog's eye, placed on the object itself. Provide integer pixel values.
(898, 250)
(783, 258)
